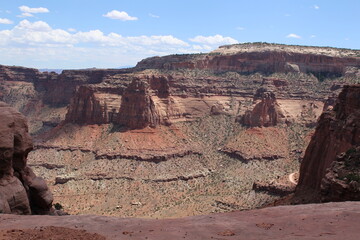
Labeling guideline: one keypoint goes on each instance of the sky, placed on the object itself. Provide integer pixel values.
(73, 34)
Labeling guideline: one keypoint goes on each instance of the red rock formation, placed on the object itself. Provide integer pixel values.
(337, 131)
(137, 106)
(266, 112)
(86, 108)
(21, 191)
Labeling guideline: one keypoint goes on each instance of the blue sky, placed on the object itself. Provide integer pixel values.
(113, 33)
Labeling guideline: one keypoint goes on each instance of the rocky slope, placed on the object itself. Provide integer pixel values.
(165, 138)
(21, 191)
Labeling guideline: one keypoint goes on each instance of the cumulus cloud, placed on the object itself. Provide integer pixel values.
(27, 9)
(123, 16)
(36, 42)
(293, 35)
(213, 40)
(5, 21)
(32, 33)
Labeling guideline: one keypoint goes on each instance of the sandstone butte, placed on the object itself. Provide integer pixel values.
(186, 135)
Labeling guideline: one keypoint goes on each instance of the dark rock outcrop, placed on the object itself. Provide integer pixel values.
(338, 130)
(21, 191)
(342, 179)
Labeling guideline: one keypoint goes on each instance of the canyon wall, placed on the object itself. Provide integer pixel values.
(338, 130)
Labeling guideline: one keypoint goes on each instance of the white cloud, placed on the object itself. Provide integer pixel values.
(293, 35)
(37, 44)
(38, 26)
(27, 9)
(71, 30)
(240, 28)
(313, 36)
(39, 32)
(153, 15)
(123, 16)
(25, 15)
(213, 40)
(316, 7)
(5, 21)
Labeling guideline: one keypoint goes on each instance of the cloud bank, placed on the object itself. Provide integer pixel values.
(45, 47)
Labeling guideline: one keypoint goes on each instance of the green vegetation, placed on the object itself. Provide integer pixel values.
(352, 177)
(58, 206)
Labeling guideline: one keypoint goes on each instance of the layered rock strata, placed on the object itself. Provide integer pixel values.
(21, 191)
(264, 58)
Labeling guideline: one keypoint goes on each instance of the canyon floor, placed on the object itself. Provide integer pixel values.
(311, 221)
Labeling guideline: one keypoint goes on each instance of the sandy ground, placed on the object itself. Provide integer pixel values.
(312, 221)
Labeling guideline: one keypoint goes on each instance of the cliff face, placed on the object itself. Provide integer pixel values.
(250, 62)
(338, 130)
(21, 191)
(89, 107)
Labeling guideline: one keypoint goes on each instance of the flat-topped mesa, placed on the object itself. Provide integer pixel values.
(21, 191)
(266, 111)
(264, 59)
(338, 130)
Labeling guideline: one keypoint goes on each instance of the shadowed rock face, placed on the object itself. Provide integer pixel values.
(342, 179)
(338, 130)
(21, 191)
(266, 112)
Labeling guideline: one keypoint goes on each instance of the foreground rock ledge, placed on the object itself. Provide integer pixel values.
(311, 221)
(21, 191)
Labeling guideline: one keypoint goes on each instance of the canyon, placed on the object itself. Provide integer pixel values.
(184, 135)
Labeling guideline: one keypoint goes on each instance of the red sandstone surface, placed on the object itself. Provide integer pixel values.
(313, 221)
